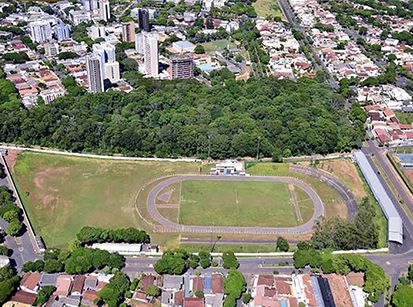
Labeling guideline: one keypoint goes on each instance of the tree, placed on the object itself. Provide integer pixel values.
(199, 294)
(204, 259)
(53, 266)
(153, 291)
(114, 292)
(282, 244)
(11, 215)
(230, 301)
(14, 228)
(44, 295)
(391, 57)
(199, 49)
(172, 262)
(246, 298)
(403, 296)
(230, 261)
(33, 266)
(234, 284)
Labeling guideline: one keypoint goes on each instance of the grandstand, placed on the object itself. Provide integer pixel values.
(395, 223)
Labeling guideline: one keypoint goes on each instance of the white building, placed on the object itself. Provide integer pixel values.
(40, 31)
(106, 52)
(80, 16)
(51, 49)
(112, 71)
(151, 55)
(94, 74)
(139, 43)
(121, 248)
(104, 10)
(183, 46)
(96, 31)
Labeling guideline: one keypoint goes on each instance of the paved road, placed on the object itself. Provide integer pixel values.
(135, 265)
(407, 224)
(333, 182)
(21, 246)
(289, 14)
(169, 226)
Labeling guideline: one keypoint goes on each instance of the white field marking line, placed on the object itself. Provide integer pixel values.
(295, 202)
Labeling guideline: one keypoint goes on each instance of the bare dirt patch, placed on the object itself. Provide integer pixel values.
(47, 195)
(11, 158)
(346, 171)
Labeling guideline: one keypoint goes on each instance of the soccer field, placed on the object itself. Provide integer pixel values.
(235, 203)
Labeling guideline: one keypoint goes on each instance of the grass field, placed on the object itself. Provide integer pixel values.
(265, 8)
(238, 204)
(62, 194)
(218, 45)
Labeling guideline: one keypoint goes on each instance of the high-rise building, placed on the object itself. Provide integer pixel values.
(108, 63)
(90, 5)
(112, 71)
(40, 31)
(139, 43)
(51, 49)
(144, 20)
(150, 54)
(106, 52)
(182, 67)
(62, 31)
(128, 32)
(97, 31)
(94, 74)
(104, 9)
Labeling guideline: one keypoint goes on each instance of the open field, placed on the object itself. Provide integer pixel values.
(62, 194)
(347, 172)
(265, 8)
(238, 204)
(333, 203)
(218, 45)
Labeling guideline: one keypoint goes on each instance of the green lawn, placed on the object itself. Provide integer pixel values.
(218, 45)
(265, 8)
(235, 203)
(404, 118)
(61, 193)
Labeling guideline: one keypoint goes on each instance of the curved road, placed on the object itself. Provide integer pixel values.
(333, 182)
(169, 226)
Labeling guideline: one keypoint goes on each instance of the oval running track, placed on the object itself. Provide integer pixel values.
(166, 225)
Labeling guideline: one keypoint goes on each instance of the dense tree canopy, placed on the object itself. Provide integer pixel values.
(113, 294)
(341, 234)
(90, 235)
(182, 118)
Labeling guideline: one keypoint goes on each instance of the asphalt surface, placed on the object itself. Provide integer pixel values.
(167, 225)
(407, 224)
(333, 182)
(21, 246)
